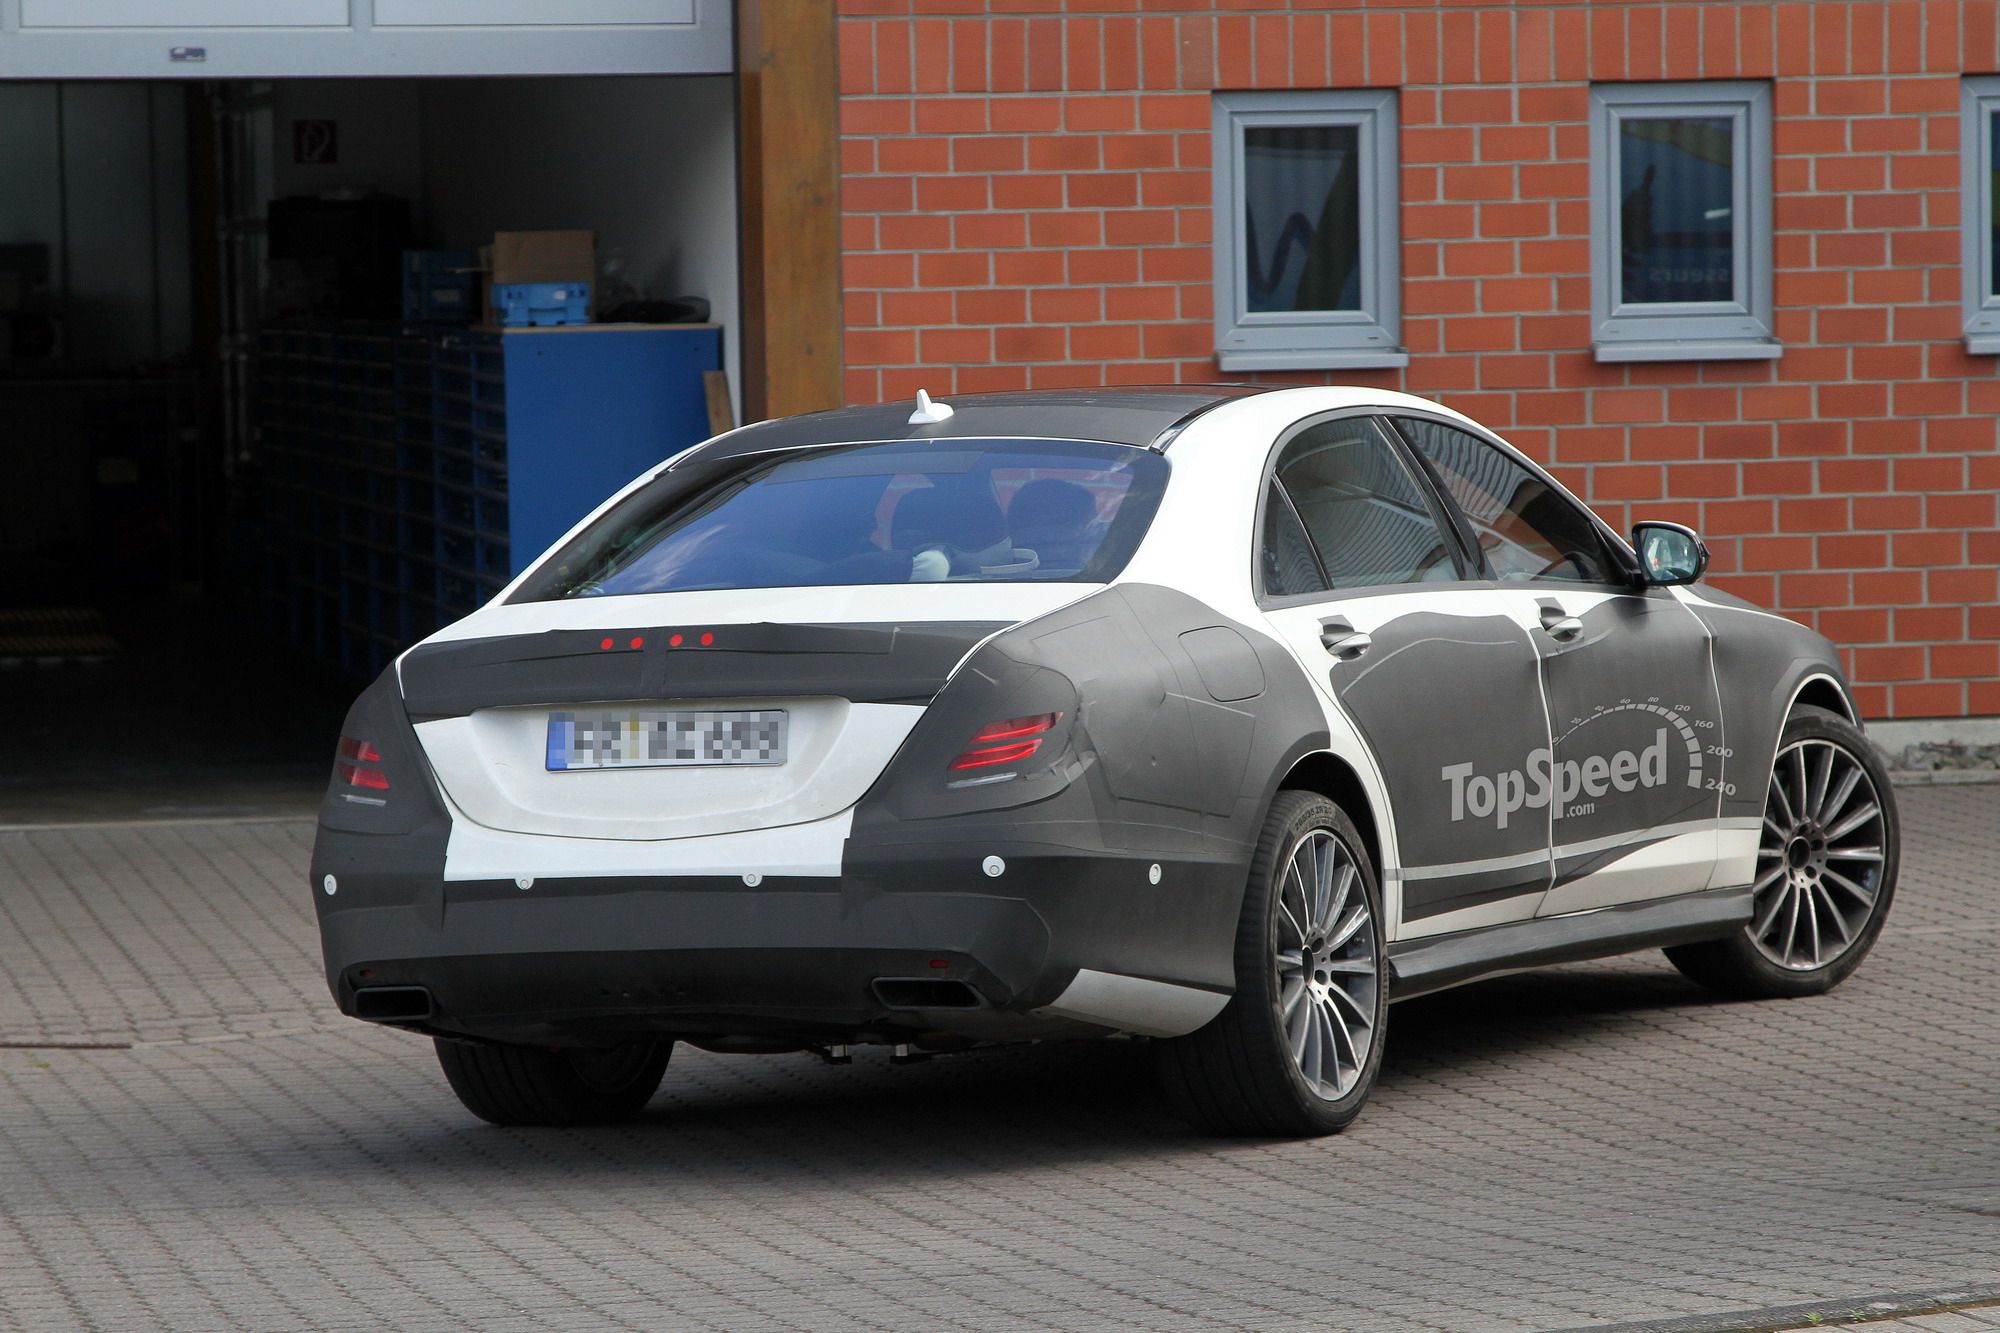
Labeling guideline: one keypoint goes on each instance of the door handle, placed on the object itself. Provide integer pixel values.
(1343, 640)
(1557, 623)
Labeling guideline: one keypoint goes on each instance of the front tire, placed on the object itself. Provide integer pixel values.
(1826, 868)
(533, 1085)
(1297, 1049)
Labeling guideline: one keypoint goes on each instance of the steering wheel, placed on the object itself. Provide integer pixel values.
(1560, 562)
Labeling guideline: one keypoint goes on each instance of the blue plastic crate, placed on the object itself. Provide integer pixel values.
(438, 286)
(541, 304)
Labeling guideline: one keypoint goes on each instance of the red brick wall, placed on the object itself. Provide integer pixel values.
(1025, 199)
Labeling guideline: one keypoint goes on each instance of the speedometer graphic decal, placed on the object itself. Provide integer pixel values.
(1675, 716)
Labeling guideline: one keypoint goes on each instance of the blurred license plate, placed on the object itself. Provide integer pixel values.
(648, 738)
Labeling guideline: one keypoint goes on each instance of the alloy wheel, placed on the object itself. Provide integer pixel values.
(1820, 856)
(1327, 966)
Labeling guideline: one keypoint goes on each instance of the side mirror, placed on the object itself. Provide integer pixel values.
(1668, 553)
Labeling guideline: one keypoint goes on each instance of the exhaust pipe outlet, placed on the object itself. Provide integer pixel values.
(925, 993)
(393, 1004)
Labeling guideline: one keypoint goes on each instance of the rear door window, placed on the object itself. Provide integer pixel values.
(1367, 515)
(950, 511)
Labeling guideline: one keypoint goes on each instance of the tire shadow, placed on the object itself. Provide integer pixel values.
(748, 1121)
(1550, 1009)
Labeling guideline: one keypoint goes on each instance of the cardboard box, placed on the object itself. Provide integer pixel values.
(542, 256)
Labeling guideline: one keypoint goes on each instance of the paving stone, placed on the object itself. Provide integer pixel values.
(1584, 1146)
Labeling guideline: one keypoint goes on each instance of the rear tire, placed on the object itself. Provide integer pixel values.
(1297, 1049)
(1826, 868)
(533, 1085)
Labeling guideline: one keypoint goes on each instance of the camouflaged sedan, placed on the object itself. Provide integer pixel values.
(1211, 717)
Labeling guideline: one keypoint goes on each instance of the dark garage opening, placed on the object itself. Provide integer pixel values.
(238, 472)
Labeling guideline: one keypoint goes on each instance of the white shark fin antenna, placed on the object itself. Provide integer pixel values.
(929, 413)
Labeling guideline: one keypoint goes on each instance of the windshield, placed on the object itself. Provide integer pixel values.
(909, 512)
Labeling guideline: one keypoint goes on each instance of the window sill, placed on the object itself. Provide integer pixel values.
(1982, 344)
(1359, 358)
(1692, 349)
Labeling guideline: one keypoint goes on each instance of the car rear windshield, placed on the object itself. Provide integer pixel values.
(978, 511)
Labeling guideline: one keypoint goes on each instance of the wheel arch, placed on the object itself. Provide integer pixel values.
(1823, 691)
(1336, 779)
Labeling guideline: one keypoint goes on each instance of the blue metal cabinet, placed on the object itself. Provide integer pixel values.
(601, 404)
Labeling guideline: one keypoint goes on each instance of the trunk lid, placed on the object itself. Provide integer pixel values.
(482, 694)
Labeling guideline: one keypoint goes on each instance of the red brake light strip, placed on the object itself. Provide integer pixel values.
(1005, 754)
(357, 765)
(1005, 742)
(372, 778)
(1033, 725)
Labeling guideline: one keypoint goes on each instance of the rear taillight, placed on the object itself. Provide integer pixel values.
(1000, 744)
(360, 766)
(356, 776)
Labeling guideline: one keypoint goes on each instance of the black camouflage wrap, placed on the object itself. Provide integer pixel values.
(1147, 766)
(1176, 727)
(1445, 689)
(1764, 662)
(1637, 681)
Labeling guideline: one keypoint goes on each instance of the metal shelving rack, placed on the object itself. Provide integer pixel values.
(387, 457)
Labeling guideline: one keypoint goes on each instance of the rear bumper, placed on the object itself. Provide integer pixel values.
(692, 957)
(914, 941)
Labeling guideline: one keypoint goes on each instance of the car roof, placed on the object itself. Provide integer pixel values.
(1143, 417)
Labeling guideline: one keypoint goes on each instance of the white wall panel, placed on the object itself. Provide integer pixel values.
(380, 127)
(648, 164)
(279, 39)
(184, 13)
(530, 13)
(174, 284)
(108, 147)
(30, 169)
(97, 172)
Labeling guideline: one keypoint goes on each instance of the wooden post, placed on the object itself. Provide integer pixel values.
(715, 388)
(788, 108)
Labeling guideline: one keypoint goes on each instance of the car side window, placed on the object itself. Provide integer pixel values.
(1363, 510)
(1290, 567)
(1527, 529)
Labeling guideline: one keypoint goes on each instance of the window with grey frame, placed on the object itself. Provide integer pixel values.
(1979, 267)
(1680, 233)
(1308, 265)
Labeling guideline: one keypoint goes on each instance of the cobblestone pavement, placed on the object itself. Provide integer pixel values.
(191, 1138)
(1982, 1319)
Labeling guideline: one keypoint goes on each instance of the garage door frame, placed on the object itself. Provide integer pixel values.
(208, 40)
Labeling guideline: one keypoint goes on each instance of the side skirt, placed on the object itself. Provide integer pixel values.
(1420, 966)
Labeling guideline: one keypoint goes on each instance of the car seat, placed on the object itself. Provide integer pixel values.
(957, 516)
(1055, 519)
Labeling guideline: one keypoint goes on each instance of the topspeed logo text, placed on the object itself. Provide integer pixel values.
(1545, 780)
